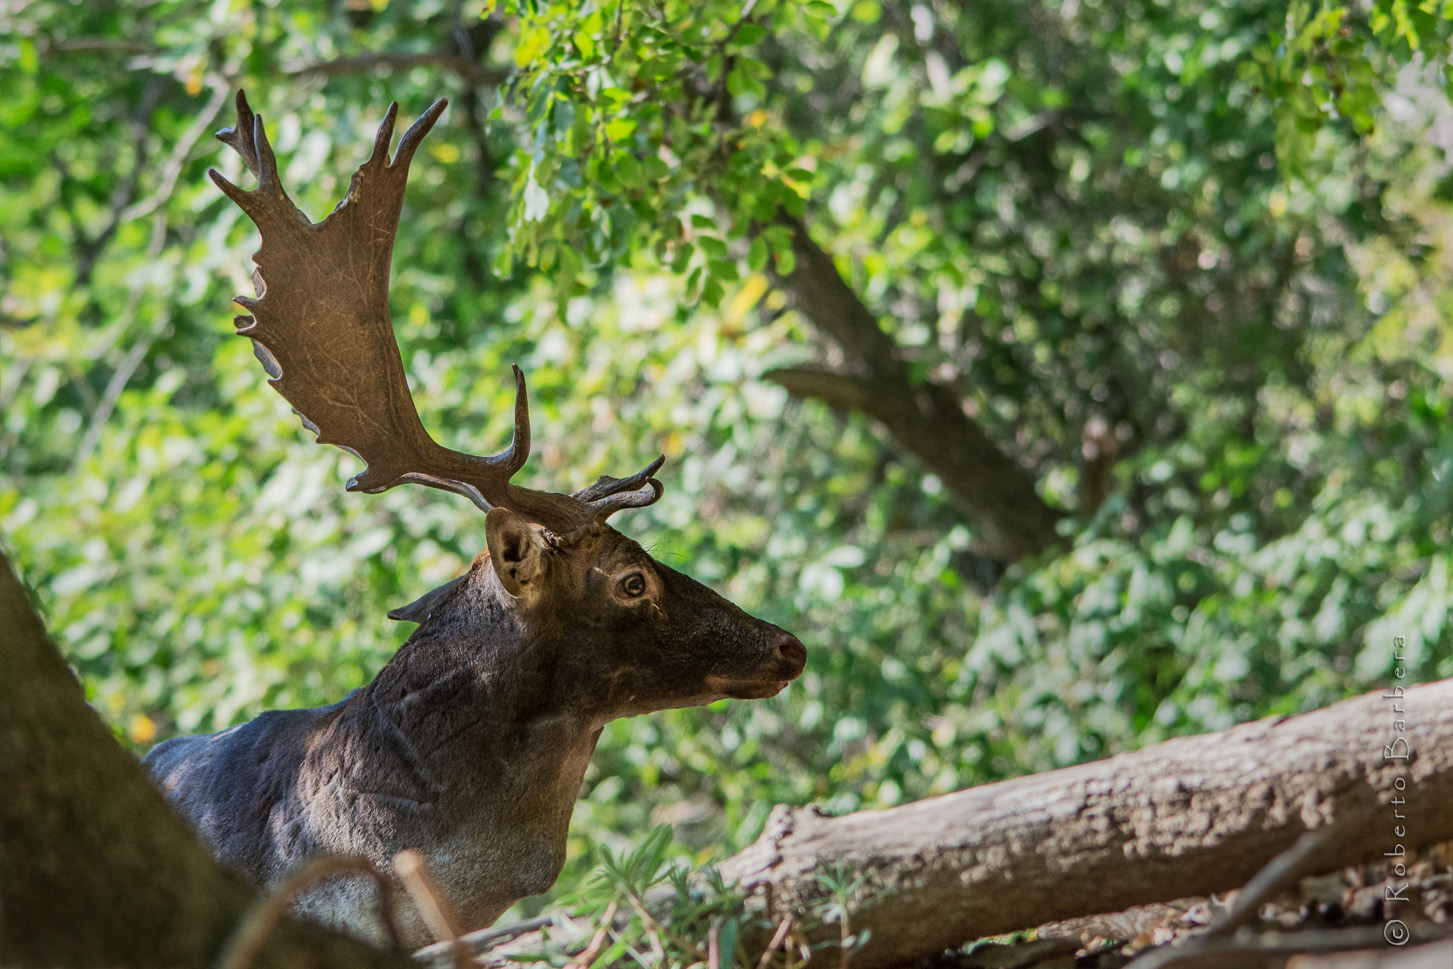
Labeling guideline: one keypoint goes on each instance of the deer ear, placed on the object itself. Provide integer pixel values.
(422, 607)
(515, 550)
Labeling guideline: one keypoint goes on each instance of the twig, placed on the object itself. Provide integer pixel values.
(778, 937)
(656, 926)
(173, 168)
(482, 940)
(101, 409)
(1279, 873)
(9, 388)
(248, 938)
(431, 902)
(597, 942)
(90, 246)
(114, 387)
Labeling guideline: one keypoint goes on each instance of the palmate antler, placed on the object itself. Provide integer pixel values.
(321, 328)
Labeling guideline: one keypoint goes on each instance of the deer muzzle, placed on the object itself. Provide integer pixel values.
(785, 664)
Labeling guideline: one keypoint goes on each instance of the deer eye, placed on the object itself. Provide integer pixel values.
(634, 585)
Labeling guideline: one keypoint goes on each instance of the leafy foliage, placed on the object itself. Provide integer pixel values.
(1188, 263)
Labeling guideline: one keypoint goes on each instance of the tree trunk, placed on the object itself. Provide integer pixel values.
(1187, 817)
(95, 868)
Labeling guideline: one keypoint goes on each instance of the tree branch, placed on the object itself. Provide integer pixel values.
(172, 170)
(99, 45)
(927, 419)
(838, 390)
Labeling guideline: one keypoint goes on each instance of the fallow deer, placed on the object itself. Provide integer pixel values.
(471, 744)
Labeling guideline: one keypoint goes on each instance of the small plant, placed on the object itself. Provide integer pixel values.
(652, 910)
(844, 887)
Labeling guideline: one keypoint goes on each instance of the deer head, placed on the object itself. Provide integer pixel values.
(320, 326)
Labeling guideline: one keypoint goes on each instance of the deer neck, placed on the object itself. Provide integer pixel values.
(452, 751)
(475, 729)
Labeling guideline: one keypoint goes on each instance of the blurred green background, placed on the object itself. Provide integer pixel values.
(1186, 265)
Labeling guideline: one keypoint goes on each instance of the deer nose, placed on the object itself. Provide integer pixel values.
(790, 649)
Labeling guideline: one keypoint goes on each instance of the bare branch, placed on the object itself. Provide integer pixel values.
(99, 45)
(173, 168)
(90, 246)
(1280, 873)
(483, 940)
(840, 390)
(114, 387)
(431, 902)
(253, 930)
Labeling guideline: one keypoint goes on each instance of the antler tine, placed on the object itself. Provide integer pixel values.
(385, 137)
(268, 182)
(566, 513)
(321, 328)
(412, 138)
(513, 458)
(649, 495)
(609, 495)
(240, 137)
(249, 140)
(500, 466)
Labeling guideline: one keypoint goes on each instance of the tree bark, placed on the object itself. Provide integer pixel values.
(1187, 817)
(927, 419)
(95, 868)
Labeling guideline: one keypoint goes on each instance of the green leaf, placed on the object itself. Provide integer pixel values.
(627, 170)
(619, 128)
(586, 43)
(821, 9)
(757, 255)
(712, 246)
(749, 34)
(723, 270)
(29, 60)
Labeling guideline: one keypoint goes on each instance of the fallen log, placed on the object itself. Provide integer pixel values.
(1191, 816)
